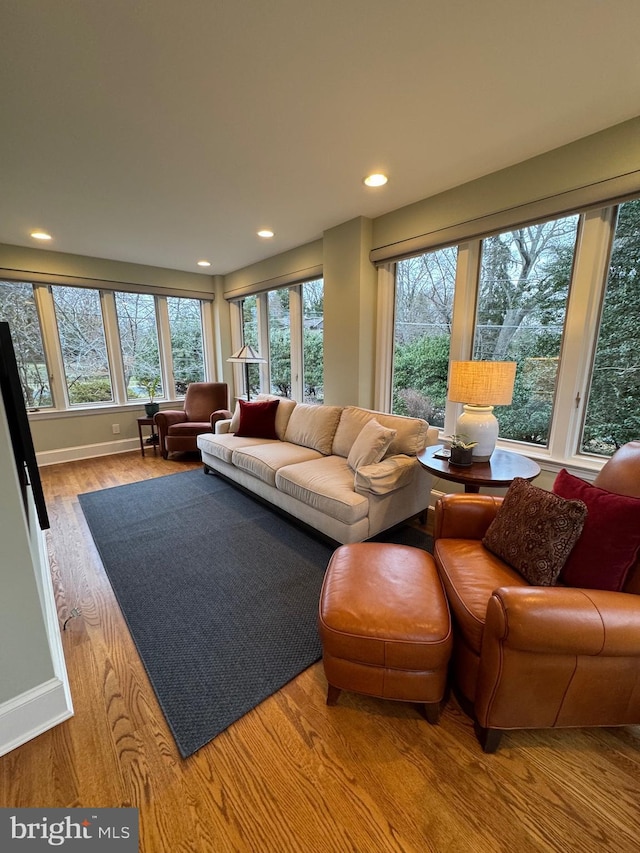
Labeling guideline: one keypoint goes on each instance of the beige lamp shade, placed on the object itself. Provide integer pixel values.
(482, 383)
(247, 355)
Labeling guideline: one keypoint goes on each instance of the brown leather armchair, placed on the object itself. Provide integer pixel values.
(205, 403)
(530, 656)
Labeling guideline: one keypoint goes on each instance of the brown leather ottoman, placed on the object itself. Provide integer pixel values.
(385, 626)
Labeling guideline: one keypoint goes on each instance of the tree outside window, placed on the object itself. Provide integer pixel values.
(313, 340)
(613, 411)
(422, 334)
(82, 341)
(17, 307)
(522, 302)
(138, 342)
(185, 321)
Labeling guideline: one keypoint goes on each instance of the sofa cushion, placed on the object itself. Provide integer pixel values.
(283, 413)
(470, 574)
(223, 446)
(371, 445)
(263, 460)
(257, 419)
(313, 426)
(325, 484)
(410, 438)
(610, 540)
(534, 531)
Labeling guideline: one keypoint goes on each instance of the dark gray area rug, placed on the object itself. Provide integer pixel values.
(219, 592)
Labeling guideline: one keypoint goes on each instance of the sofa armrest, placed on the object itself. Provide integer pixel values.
(464, 516)
(222, 427)
(386, 476)
(564, 621)
(219, 415)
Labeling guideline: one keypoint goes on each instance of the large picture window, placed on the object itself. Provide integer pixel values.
(613, 411)
(139, 342)
(83, 345)
(18, 308)
(422, 334)
(522, 304)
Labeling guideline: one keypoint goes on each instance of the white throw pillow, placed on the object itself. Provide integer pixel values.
(371, 444)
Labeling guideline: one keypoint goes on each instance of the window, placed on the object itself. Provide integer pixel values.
(313, 340)
(18, 308)
(422, 334)
(279, 342)
(613, 411)
(83, 345)
(285, 326)
(185, 322)
(522, 302)
(138, 342)
(531, 295)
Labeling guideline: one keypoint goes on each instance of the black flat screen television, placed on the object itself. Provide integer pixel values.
(19, 429)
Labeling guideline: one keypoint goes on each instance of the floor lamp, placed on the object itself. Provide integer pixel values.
(481, 385)
(247, 355)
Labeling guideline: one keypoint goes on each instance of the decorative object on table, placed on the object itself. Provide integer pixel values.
(151, 386)
(461, 450)
(247, 355)
(481, 385)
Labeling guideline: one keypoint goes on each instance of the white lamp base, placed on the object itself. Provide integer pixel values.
(480, 425)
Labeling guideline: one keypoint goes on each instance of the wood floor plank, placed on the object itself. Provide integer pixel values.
(294, 774)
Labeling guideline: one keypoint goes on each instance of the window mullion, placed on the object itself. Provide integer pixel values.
(464, 316)
(164, 344)
(51, 342)
(114, 351)
(295, 338)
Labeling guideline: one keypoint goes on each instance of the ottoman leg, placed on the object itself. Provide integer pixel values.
(332, 694)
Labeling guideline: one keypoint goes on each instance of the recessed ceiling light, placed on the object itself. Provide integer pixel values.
(204, 263)
(40, 235)
(265, 233)
(376, 180)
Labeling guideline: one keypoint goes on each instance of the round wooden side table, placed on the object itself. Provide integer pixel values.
(500, 471)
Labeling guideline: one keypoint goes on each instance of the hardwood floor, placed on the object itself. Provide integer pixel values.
(365, 776)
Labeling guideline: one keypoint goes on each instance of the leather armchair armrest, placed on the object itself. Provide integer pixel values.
(219, 415)
(563, 620)
(464, 516)
(168, 417)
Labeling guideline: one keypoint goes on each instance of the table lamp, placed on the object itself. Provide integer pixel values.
(247, 355)
(481, 385)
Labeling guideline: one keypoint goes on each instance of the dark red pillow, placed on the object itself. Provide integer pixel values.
(610, 540)
(258, 420)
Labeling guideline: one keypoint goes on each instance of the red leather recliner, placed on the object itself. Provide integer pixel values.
(205, 403)
(537, 657)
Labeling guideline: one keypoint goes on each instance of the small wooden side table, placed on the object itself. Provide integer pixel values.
(154, 435)
(500, 471)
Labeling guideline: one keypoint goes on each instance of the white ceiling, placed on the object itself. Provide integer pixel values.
(166, 131)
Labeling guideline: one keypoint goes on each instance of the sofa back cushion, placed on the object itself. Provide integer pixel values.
(410, 438)
(313, 426)
(283, 413)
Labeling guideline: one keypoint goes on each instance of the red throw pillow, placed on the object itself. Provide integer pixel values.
(258, 420)
(610, 540)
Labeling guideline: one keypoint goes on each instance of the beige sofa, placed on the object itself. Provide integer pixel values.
(306, 470)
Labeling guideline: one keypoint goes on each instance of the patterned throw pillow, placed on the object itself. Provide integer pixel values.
(534, 531)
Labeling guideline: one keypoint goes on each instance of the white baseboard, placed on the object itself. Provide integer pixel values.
(87, 451)
(32, 713)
